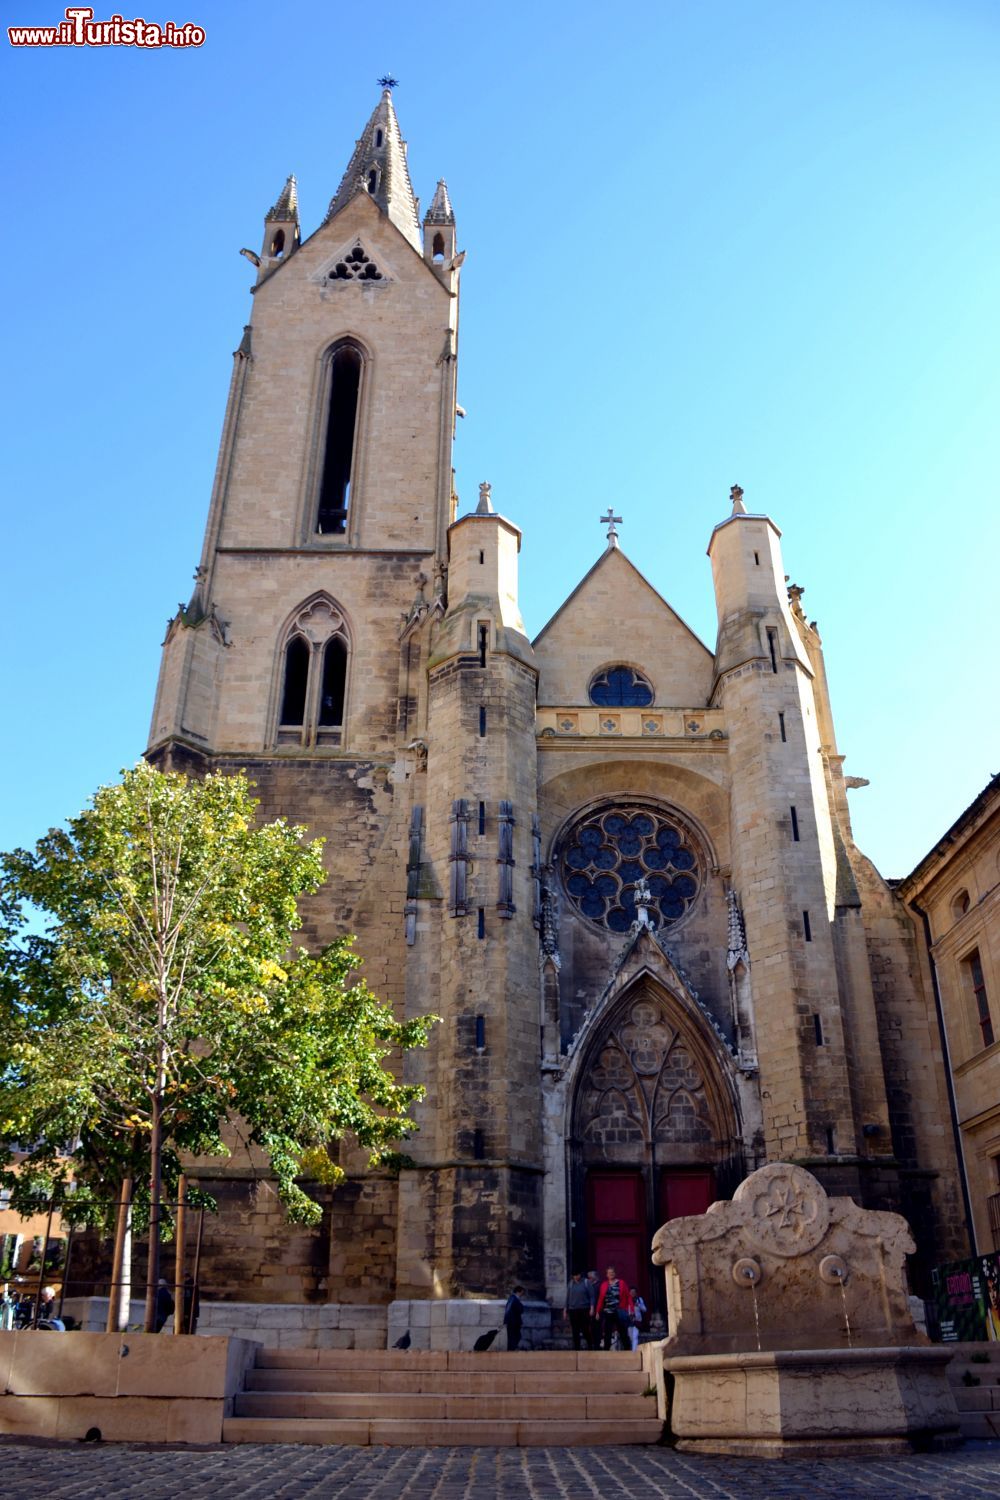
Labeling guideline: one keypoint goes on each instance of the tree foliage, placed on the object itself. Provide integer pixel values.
(148, 967)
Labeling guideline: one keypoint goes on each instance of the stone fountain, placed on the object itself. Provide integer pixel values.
(791, 1330)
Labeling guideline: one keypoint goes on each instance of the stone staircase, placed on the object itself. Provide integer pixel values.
(444, 1399)
(978, 1404)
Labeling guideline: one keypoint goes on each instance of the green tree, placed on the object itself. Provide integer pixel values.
(150, 992)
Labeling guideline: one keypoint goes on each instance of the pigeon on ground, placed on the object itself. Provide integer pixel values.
(404, 1342)
(484, 1340)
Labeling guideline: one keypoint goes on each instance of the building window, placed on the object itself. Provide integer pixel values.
(278, 244)
(313, 663)
(974, 979)
(961, 904)
(621, 687)
(437, 248)
(356, 265)
(608, 854)
(293, 697)
(343, 392)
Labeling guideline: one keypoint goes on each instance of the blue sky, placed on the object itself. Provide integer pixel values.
(707, 243)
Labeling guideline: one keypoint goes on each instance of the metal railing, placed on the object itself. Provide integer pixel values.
(24, 1306)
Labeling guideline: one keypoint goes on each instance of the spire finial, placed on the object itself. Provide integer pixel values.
(387, 82)
(485, 506)
(611, 521)
(440, 211)
(378, 167)
(736, 496)
(286, 206)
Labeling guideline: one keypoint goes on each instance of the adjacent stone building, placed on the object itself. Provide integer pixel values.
(615, 860)
(954, 893)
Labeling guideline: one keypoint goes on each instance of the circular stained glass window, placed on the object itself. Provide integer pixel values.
(606, 855)
(621, 687)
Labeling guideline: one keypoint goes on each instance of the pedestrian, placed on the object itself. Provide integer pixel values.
(614, 1307)
(638, 1317)
(592, 1290)
(513, 1314)
(163, 1306)
(48, 1309)
(192, 1305)
(579, 1306)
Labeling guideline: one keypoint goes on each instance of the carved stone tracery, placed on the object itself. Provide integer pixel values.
(643, 1085)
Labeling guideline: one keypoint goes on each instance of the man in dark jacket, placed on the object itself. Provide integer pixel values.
(513, 1313)
(579, 1310)
(164, 1305)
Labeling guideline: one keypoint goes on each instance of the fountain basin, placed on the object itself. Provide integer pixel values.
(811, 1402)
(791, 1329)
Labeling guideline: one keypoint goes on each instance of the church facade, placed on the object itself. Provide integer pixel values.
(615, 861)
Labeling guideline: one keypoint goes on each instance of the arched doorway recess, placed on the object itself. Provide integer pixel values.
(655, 1130)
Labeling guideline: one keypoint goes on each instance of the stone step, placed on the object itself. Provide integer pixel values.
(977, 1397)
(979, 1424)
(373, 1406)
(613, 1381)
(431, 1434)
(526, 1361)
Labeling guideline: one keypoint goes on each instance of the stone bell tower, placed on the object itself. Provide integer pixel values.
(329, 519)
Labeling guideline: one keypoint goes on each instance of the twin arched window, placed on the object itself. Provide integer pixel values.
(343, 392)
(313, 687)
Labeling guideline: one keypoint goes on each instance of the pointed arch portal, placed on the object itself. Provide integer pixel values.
(654, 1132)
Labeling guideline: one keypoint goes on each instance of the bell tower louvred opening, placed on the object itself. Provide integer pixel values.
(341, 424)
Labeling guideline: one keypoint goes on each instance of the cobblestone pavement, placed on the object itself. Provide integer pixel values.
(122, 1471)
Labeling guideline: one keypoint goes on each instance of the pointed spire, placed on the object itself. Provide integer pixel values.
(440, 211)
(286, 209)
(485, 506)
(378, 166)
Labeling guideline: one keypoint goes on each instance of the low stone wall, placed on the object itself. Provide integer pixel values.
(276, 1325)
(456, 1323)
(133, 1387)
(445, 1323)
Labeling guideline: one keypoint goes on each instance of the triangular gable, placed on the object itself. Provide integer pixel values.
(608, 619)
(359, 218)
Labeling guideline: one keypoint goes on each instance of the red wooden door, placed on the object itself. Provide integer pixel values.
(685, 1190)
(616, 1226)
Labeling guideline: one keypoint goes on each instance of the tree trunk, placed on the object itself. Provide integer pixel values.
(120, 1290)
(155, 1176)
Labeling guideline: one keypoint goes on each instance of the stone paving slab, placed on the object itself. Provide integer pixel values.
(62, 1471)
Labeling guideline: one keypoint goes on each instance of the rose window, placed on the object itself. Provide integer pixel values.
(606, 855)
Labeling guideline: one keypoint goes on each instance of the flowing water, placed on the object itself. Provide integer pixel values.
(756, 1314)
(847, 1321)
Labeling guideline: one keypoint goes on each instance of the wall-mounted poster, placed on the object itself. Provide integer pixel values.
(967, 1299)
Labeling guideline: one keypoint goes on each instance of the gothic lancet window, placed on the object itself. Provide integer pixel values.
(293, 697)
(331, 695)
(314, 676)
(621, 687)
(338, 456)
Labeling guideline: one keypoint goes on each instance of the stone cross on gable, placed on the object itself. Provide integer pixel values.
(611, 521)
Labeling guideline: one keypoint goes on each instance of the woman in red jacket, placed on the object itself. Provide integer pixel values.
(614, 1308)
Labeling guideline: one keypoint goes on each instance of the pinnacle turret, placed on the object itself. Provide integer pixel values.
(378, 167)
(440, 211)
(286, 207)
